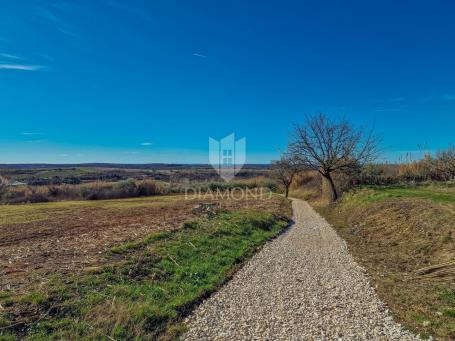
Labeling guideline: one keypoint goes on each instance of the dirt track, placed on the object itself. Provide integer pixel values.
(302, 286)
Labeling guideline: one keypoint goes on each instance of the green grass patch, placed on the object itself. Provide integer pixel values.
(151, 286)
(448, 296)
(136, 244)
(372, 194)
(449, 312)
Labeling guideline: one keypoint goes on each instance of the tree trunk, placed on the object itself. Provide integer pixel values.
(333, 195)
(287, 191)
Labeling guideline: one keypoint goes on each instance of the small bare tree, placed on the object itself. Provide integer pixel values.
(284, 170)
(330, 146)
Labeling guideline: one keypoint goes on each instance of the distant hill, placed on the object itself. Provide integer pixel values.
(120, 165)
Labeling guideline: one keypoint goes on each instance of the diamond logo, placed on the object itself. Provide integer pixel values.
(227, 156)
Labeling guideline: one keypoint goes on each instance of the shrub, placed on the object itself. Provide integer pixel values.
(124, 189)
(28, 194)
(371, 174)
(150, 187)
(97, 191)
(91, 191)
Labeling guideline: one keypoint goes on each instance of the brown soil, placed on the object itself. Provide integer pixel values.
(78, 238)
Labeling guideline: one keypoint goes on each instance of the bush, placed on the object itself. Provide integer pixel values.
(97, 191)
(150, 187)
(125, 189)
(92, 191)
(372, 174)
(27, 194)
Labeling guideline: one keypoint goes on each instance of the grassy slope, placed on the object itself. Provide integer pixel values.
(394, 231)
(435, 193)
(149, 287)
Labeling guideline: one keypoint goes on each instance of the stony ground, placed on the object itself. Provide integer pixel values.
(302, 286)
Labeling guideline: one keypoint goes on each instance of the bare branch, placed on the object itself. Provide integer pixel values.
(328, 145)
(284, 170)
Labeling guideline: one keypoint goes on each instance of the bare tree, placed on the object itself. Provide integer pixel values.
(284, 171)
(330, 146)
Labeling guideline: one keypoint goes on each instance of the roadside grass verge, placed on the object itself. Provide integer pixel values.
(395, 231)
(436, 193)
(150, 286)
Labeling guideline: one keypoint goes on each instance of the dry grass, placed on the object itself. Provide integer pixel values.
(395, 232)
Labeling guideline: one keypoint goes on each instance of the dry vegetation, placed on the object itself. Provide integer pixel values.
(122, 269)
(439, 167)
(403, 234)
(91, 191)
(404, 237)
(52, 189)
(37, 239)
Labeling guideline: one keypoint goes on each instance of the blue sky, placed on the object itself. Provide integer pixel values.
(151, 81)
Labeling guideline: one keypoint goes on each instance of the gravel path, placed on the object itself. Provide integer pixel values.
(304, 285)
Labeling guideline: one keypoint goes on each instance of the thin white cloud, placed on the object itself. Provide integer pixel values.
(385, 101)
(199, 55)
(15, 62)
(448, 97)
(51, 17)
(382, 109)
(36, 141)
(69, 33)
(31, 133)
(10, 56)
(64, 155)
(44, 56)
(132, 153)
(396, 99)
(134, 10)
(443, 97)
(61, 25)
(146, 143)
(21, 67)
(427, 98)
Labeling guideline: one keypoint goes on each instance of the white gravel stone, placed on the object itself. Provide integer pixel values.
(303, 285)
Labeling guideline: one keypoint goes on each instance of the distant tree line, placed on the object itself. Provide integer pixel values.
(438, 167)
